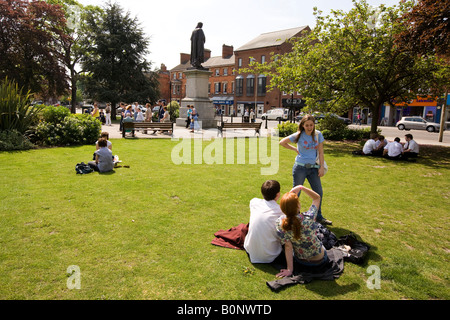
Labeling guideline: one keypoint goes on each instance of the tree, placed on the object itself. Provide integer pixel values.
(114, 58)
(427, 28)
(71, 52)
(29, 46)
(351, 59)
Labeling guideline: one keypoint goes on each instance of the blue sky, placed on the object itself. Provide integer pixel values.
(169, 23)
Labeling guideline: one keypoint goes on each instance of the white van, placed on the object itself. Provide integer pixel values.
(275, 114)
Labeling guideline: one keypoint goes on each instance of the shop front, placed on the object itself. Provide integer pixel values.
(243, 106)
(295, 105)
(426, 108)
(223, 105)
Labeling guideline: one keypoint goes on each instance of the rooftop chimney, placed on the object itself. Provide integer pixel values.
(227, 51)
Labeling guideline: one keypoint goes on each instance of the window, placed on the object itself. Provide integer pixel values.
(217, 87)
(250, 85)
(263, 59)
(217, 72)
(240, 62)
(261, 85)
(232, 87)
(239, 85)
(180, 75)
(225, 71)
(224, 87)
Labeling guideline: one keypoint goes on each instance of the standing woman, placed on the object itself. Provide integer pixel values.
(309, 147)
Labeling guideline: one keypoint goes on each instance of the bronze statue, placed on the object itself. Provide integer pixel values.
(198, 47)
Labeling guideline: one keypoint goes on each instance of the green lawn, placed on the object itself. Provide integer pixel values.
(145, 232)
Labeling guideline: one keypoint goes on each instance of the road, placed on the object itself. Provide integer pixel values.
(420, 136)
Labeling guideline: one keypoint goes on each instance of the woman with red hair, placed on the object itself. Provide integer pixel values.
(298, 231)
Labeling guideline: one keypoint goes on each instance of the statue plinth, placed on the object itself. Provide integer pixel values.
(197, 95)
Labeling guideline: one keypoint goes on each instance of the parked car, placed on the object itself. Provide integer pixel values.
(275, 114)
(418, 123)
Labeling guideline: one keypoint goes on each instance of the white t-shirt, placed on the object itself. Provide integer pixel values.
(412, 145)
(109, 144)
(369, 146)
(139, 116)
(394, 149)
(261, 241)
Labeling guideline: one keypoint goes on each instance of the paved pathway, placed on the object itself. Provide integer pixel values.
(422, 137)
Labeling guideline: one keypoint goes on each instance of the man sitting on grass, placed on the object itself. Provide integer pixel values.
(393, 150)
(103, 157)
(261, 241)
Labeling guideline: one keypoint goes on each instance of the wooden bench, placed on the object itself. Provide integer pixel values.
(239, 125)
(163, 126)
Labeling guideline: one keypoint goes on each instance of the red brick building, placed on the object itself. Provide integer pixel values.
(250, 89)
(221, 81)
(164, 82)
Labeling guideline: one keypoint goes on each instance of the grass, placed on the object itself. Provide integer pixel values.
(144, 232)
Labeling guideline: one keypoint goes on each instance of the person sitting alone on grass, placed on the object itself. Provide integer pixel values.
(298, 231)
(103, 158)
(261, 242)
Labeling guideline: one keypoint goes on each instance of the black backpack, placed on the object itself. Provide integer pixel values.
(83, 168)
(358, 249)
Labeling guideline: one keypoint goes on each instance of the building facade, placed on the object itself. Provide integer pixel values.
(164, 83)
(251, 89)
(221, 81)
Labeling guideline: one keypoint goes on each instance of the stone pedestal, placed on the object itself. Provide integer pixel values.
(197, 95)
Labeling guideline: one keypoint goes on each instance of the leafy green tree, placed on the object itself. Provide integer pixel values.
(351, 59)
(71, 52)
(114, 58)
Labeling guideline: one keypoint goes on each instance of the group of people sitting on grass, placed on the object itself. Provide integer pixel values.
(377, 145)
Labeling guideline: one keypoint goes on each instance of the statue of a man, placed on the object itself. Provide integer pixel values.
(198, 47)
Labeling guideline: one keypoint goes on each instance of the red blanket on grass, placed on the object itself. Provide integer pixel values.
(232, 238)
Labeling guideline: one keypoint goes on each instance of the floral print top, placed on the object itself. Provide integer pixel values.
(309, 244)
